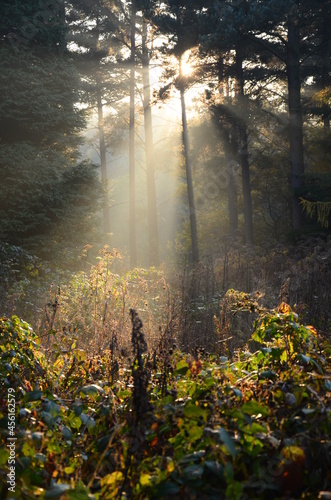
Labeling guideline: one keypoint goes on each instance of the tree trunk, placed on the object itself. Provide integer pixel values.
(62, 17)
(189, 181)
(150, 173)
(102, 146)
(244, 158)
(230, 150)
(247, 192)
(132, 173)
(295, 120)
(326, 67)
(231, 182)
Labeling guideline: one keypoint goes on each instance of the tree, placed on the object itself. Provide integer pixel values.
(47, 193)
(132, 166)
(94, 30)
(178, 20)
(224, 37)
(150, 172)
(284, 29)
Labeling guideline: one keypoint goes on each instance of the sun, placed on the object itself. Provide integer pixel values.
(187, 68)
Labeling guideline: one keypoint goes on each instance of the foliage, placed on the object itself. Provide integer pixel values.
(96, 302)
(250, 427)
(47, 192)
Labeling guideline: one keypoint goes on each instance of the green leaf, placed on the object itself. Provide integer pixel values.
(33, 395)
(79, 493)
(75, 421)
(196, 456)
(47, 418)
(28, 449)
(215, 467)
(193, 471)
(181, 368)
(67, 434)
(87, 420)
(102, 443)
(305, 359)
(308, 411)
(69, 470)
(92, 390)
(56, 491)
(254, 408)
(164, 490)
(4, 455)
(192, 411)
(268, 374)
(77, 407)
(237, 392)
(37, 436)
(328, 384)
(52, 408)
(227, 440)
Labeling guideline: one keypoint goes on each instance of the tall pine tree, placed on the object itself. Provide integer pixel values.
(49, 196)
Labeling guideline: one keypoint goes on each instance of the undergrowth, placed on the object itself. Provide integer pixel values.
(156, 422)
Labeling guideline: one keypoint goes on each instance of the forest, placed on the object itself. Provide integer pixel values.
(165, 249)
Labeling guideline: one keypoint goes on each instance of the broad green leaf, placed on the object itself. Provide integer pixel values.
(92, 390)
(305, 359)
(57, 490)
(75, 421)
(227, 440)
(79, 493)
(308, 411)
(268, 374)
(328, 384)
(33, 395)
(87, 420)
(47, 418)
(193, 471)
(52, 408)
(37, 436)
(67, 434)
(196, 456)
(181, 368)
(254, 408)
(215, 467)
(28, 449)
(237, 392)
(192, 411)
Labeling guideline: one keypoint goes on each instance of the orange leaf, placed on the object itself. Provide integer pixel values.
(154, 442)
(312, 330)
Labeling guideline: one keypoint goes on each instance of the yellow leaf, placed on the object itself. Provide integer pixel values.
(284, 308)
(112, 478)
(145, 479)
(171, 466)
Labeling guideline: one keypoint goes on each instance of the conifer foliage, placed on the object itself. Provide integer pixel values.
(46, 191)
